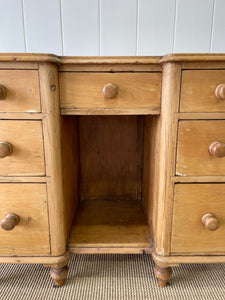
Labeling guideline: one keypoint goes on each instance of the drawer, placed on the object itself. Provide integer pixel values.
(199, 92)
(28, 234)
(191, 233)
(129, 90)
(19, 90)
(194, 140)
(24, 139)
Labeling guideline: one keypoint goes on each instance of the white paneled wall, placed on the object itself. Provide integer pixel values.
(112, 27)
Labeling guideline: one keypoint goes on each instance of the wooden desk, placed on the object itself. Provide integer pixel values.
(112, 155)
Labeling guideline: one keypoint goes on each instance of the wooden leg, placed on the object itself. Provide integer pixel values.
(163, 275)
(59, 275)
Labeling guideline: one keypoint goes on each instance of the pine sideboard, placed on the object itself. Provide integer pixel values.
(112, 155)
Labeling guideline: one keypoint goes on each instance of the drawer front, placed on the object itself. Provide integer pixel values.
(136, 90)
(19, 90)
(191, 203)
(30, 233)
(198, 91)
(194, 140)
(26, 140)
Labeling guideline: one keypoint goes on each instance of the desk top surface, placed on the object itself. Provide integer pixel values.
(38, 57)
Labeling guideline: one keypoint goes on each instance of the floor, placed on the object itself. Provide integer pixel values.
(122, 277)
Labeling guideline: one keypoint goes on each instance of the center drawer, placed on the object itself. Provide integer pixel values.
(21, 148)
(24, 212)
(201, 148)
(109, 90)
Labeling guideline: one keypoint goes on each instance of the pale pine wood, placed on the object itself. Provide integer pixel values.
(47, 260)
(194, 140)
(49, 89)
(18, 65)
(24, 179)
(85, 90)
(29, 202)
(27, 158)
(193, 57)
(198, 91)
(111, 67)
(166, 138)
(110, 224)
(203, 65)
(151, 170)
(191, 203)
(176, 260)
(182, 57)
(198, 179)
(110, 111)
(71, 168)
(203, 116)
(22, 91)
(109, 157)
(21, 116)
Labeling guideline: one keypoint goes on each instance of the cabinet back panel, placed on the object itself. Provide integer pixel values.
(110, 157)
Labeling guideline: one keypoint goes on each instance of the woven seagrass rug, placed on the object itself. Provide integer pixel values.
(113, 277)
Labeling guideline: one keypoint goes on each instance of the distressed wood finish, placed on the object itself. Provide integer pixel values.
(190, 235)
(101, 147)
(85, 90)
(166, 141)
(21, 91)
(117, 224)
(199, 92)
(109, 157)
(53, 153)
(193, 151)
(26, 139)
(29, 203)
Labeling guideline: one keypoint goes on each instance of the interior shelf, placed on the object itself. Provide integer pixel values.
(110, 226)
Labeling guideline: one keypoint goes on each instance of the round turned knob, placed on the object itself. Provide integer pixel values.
(217, 149)
(220, 91)
(2, 92)
(110, 90)
(5, 149)
(210, 221)
(10, 221)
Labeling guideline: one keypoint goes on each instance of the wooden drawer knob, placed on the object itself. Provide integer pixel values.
(2, 92)
(110, 90)
(5, 149)
(10, 221)
(217, 149)
(220, 91)
(210, 221)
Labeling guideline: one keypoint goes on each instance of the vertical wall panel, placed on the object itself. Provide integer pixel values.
(80, 23)
(43, 26)
(218, 35)
(193, 25)
(118, 24)
(156, 27)
(11, 24)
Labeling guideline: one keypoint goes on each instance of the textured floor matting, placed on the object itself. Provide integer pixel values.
(124, 277)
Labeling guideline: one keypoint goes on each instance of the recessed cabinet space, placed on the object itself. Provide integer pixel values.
(105, 168)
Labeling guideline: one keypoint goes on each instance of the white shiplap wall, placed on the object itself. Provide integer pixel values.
(112, 27)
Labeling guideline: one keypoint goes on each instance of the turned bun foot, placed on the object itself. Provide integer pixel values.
(163, 275)
(59, 275)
